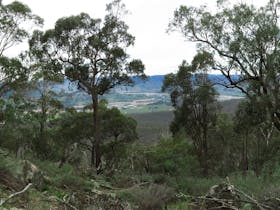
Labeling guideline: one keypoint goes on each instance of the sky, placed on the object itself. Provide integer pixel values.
(161, 52)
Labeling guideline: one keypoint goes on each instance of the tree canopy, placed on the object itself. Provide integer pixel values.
(194, 99)
(92, 53)
(16, 20)
(243, 40)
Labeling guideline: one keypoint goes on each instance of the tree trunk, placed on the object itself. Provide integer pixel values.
(244, 160)
(43, 120)
(258, 165)
(41, 142)
(246, 166)
(205, 140)
(205, 153)
(96, 129)
(92, 154)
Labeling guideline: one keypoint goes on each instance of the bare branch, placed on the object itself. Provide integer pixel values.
(2, 201)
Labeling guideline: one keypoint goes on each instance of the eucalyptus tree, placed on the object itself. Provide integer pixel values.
(243, 40)
(194, 99)
(92, 53)
(72, 128)
(16, 20)
(43, 79)
(118, 130)
(256, 132)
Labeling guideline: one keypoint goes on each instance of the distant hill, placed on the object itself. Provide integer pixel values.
(155, 82)
(143, 92)
(152, 84)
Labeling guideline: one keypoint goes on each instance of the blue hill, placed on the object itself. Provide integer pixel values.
(152, 85)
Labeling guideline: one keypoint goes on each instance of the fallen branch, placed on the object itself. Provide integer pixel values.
(223, 202)
(260, 206)
(2, 201)
(65, 202)
(251, 200)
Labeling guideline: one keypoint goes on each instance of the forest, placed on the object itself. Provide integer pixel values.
(204, 154)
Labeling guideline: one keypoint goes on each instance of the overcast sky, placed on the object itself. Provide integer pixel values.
(148, 21)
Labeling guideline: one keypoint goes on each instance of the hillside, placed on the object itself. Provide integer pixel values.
(154, 125)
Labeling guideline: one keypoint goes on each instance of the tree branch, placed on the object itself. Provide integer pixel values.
(2, 201)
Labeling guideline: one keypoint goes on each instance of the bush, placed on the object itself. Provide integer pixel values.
(197, 185)
(152, 198)
(182, 205)
(173, 157)
(69, 181)
(249, 183)
(123, 180)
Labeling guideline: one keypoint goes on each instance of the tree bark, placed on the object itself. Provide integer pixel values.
(42, 141)
(205, 140)
(92, 154)
(97, 137)
(205, 153)
(246, 154)
(244, 160)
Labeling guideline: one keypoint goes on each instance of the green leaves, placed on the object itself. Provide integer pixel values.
(194, 99)
(243, 40)
(14, 21)
(14, 74)
(122, 128)
(90, 51)
(14, 18)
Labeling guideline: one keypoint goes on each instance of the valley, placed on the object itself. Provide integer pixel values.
(143, 97)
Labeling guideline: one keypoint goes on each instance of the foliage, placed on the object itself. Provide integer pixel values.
(178, 206)
(172, 157)
(243, 47)
(118, 130)
(195, 103)
(17, 126)
(91, 53)
(223, 135)
(257, 134)
(154, 197)
(73, 134)
(15, 18)
(12, 17)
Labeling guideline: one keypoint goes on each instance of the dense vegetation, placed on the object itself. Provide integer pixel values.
(52, 156)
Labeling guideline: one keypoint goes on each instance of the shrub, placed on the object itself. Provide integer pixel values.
(69, 181)
(152, 198)
(173, 157)
(182, 205)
